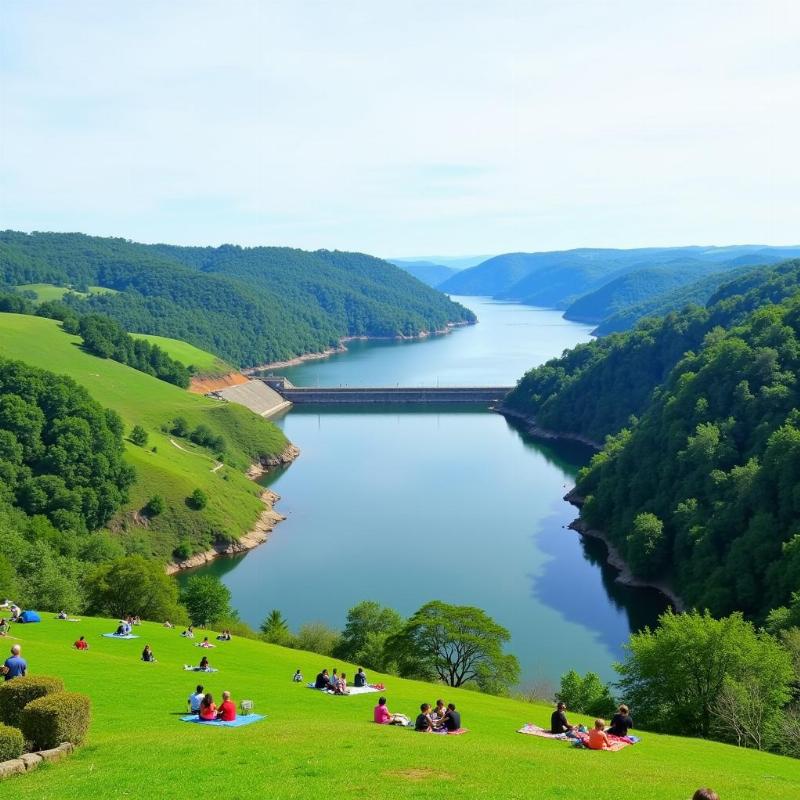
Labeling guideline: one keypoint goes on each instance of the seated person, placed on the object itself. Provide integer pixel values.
(452, 718)
(207, 708)
(204, 665)
(558, 720)
(437, 715)
(189, 633)
(382, 716)
(205, 643)
(62, 614)
(3, 626)
(621, 722)
(81, 644)
(322, 681)
(225, 636)
(15, 612)
(423, 722)
(297, 677)
(597, 738)
(360, 679)
(333, 680)
(227, 708)
(195, 700)
(136, 621)
(341, 685)
(168, 624)
(147, 654)
(123, 629)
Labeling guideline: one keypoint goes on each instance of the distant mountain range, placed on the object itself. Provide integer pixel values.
(612, 288)
(427, 271)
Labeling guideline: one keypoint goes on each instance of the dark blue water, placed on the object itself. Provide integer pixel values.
(405, 505)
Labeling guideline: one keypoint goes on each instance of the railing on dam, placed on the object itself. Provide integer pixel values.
(387, 394)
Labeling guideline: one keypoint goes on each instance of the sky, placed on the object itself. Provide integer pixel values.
(403, 128)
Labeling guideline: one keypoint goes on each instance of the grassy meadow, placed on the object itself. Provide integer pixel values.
(313, 745)
(203, 362)
(49, 291)
(162, 467)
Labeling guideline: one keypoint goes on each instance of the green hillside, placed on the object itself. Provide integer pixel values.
(202, 362)
(259, 304)
(313, 745)
(177, 466)
(49, 291)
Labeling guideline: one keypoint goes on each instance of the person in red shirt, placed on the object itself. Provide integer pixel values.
(597, 739)
(227, 709)
(81, 644)
(208, 709)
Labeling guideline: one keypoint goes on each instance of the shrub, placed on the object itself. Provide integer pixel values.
(198, 499)
(11, 743)
(155, 506)
(59, 717)
(16, 694)
(139, 436)
(182, 551)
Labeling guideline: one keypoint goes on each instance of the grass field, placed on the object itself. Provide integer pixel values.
(317, 746)
(49, 291)
(203, 362)
(174, 473)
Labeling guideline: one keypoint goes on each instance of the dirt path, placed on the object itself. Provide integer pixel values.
(217, 464)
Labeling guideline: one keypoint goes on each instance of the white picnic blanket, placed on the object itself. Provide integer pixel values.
(351, 690)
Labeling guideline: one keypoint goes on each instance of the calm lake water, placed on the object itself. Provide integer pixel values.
(407, 505)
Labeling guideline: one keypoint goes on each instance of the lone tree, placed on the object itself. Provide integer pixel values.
(207, 600)
(198, 499)
(139, 436)
(275, 629)
(459, 644)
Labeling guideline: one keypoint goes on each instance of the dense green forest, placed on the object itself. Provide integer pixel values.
(258, 304)
(426, 271)
(595, 284)
(594, 388)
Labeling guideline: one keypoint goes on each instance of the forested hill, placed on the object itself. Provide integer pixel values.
(594, 388)
(247, 305)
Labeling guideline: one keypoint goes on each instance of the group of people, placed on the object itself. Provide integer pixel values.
(440, 718)
(16, 611)
(334, 682)
(597, 737)
(202, 704)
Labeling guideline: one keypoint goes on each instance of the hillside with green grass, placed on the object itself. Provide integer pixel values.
(200, 362)
(169, 466)
(44, 292)
(314, 745)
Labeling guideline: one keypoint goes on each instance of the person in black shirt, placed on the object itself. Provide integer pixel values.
(621, 722)
(360, 678)
(452, 718)
(423, 723)
(558, 720)
(322, 680)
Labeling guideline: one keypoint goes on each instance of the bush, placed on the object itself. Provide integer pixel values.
(155, 506)
(59, 717)
(16, 694)
(139, 436)
(198, 499)
(11, 743)
(182, 551)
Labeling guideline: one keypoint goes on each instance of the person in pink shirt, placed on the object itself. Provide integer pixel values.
(383, 716)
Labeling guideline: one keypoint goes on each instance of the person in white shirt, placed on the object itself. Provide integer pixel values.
(195, 700)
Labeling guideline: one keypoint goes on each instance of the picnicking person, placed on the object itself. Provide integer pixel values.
(168, 624)
(598, 738)
(360, 679)
(452, 718)
(16, 612)
(621, 722)
(3, 626)
(188, 633)
(340, 687)
(423, 723)
(81, 644)
(208, 709)
(204, 666)
(124, 628)
(15, 666)
(225, 636)
(205, 643)
(147, 654)
(323, 680)
(297, 677)
(62, 615)
(437, 714)
(382, 716)
(137, 620)
(227, 708)
(195, 699)
(558, 720)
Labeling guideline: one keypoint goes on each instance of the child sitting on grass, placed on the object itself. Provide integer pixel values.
(598, 738)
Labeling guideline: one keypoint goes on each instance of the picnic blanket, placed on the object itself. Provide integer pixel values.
(457, 732)
(219, 723)
(187, 668)
(535, 730)
(351, 690)
(119, 636)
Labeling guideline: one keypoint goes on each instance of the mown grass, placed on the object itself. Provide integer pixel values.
(316, 746)
(203, 362)
(234, 502)
(49, 291)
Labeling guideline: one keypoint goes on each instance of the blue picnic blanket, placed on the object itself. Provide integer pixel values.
(119, 636)
(218, 723)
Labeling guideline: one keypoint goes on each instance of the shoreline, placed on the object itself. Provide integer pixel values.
(543, 433)
(262, 528)
(341, 347)
(614, 559)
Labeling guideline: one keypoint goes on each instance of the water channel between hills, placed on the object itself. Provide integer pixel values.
(405, 505)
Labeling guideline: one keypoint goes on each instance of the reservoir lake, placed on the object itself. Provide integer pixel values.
(404, 505)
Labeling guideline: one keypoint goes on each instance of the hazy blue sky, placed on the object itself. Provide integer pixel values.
(403, 128)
